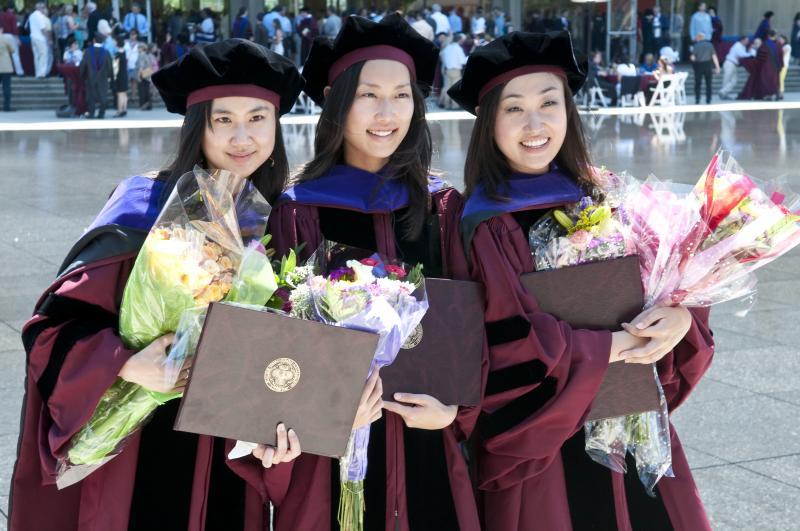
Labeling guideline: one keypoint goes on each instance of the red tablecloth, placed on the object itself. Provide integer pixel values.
(644, 80)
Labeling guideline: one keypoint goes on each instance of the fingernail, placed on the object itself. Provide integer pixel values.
(398, 396)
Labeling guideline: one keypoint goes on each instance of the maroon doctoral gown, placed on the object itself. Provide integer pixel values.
(162, 479)
(532, 470)
(764, 71)
(416, 479)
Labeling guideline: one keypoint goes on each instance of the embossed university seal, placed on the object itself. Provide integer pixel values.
(282, 375)
(414, 339)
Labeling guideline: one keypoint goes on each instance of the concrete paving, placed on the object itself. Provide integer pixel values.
(740, 427)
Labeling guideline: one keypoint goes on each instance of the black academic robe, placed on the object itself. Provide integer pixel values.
(97, 71)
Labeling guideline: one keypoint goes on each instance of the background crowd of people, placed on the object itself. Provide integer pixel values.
(765, 55)
(59, 36)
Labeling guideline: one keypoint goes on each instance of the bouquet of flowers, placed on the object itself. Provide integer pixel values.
(593, 230)
(195, 254)
(370, 294)
(701, 248)
(345, 286)
(696, 247)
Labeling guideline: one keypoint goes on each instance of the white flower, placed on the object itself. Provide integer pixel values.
(362, 272)
(301, 300)
(299, 275)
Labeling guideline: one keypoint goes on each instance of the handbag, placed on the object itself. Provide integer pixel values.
(145, 73)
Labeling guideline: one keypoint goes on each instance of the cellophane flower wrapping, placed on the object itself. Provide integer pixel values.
(593, 230)
(698, 246)
(361, 290)
(204, 247)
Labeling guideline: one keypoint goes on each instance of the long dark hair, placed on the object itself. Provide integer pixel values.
(486, 164)
(269, 179)
(410, 163)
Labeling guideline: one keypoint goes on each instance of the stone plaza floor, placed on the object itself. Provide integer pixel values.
(740, 428)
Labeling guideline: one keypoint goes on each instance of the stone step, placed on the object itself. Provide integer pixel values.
(30, 94)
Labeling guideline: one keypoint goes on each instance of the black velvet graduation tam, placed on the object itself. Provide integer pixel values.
(361, 40)
(517, 54)
(234, 67)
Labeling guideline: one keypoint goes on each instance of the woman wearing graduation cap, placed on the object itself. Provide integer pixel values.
(232, 94)
(369, 186)
(527, 155)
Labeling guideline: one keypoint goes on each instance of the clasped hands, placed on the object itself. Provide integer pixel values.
(651, 335)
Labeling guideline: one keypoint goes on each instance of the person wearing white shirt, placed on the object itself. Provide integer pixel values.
(786, 49)
(422, 27)
(478, 23)
(730, 68)
(442, 24)
(73, 54)
(131, 49)
(40, 28)
(626, 69)
(453, 60)
(132, 52)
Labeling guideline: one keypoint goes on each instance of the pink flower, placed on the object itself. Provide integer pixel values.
(580, 239)
(369, 262)
(397, 271)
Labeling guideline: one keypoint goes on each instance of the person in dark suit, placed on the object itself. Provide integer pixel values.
(97, 72)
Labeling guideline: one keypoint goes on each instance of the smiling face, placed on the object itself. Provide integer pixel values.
(241, 135)
(531, 121)
(380, 115)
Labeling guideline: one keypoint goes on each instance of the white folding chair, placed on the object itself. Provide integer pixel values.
(664, 93)
(595, 95)
(630, 95)
(680, 89)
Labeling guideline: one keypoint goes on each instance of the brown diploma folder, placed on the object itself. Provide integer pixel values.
(601, 295)
(254, 369)
(443, 356)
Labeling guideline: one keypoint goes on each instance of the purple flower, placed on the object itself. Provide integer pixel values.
(585, 203)
(256, 246)
(341, 273)
(283, 293)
